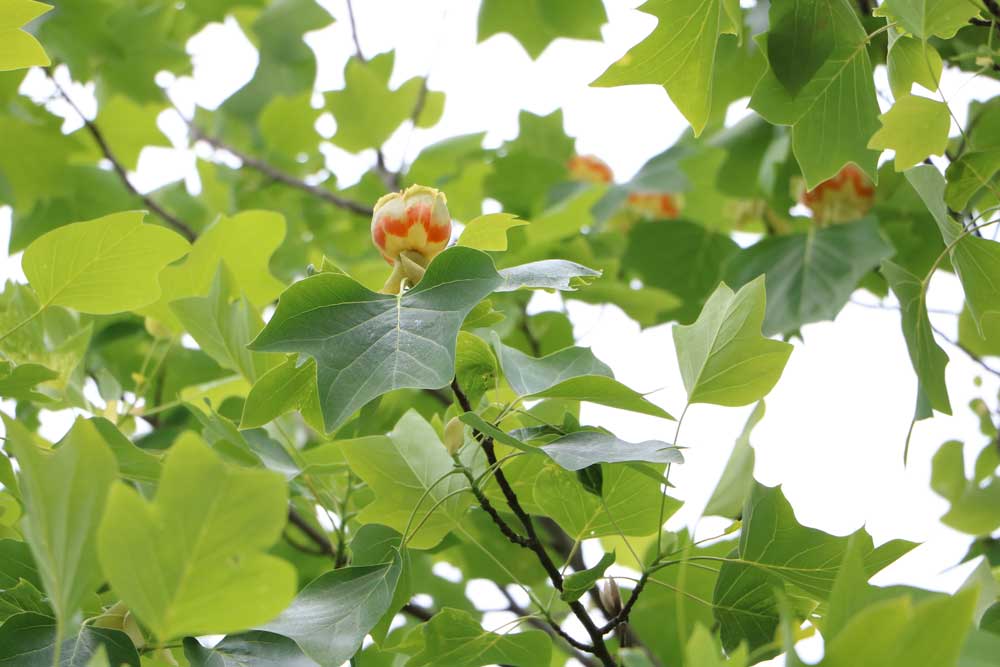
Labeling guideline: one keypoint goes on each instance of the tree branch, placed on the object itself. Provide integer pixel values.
(538, 623)
(321, 541)
(280, 176)
(181, 227)
(599, 648)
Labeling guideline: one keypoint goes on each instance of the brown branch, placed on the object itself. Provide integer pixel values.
(180, 226)
(280, 176)
(321, 541)
(599, 648)
(417, 612)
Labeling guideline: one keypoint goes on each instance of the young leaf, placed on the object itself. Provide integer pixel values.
(64, 493)
(912, 61)
(400, 468)
(723, 358)
(103, 266)
(366, 344)
(915, 127)
(737, 478)
(489, 232)
(191, 561)
(810, 276)
(456, 639)
(282, 389)
(19, 49)
(578, 583)
(332, 614)
(836, 112)
(679, 54)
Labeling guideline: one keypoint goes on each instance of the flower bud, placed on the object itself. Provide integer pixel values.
(454, 435)
(611, 597)
(416, 220)
(847, 196)
(654, 205)
(589, 169)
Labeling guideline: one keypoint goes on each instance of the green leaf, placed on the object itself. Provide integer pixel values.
(800, 41)
(723, 358)
(489, 232)
(21, 382)
(476, 368)
(912, 61)
(536, 23)
(704, 650)
(680, 257)
(630, 506)
(557, 274)
(835, 113)
(581, 449)
(18, 49)
(282, 389)
(223, 326)
(366, 344)
(134, 463)
(968, 175)
(565, 218)
(975, 502)
(249, 649)
(810, 276)
(64, 493)
(368, 112)
(578, 583)
(900, 632)
(244, 243)
(332, 614)
(128, 127)
(455, 638)
(23, 597)
(29, 640)
(915, 127)
(16, 563)
(737, 477)
(986, 344)
(102, 266)
(928, 359)
(400, 468)
(929, 18)
(775, 549)
(191, 561)
(679, 54)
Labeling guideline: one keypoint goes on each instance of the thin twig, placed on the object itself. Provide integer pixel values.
(321, 541)
(599, 648)
(518, 610)
(280, 176)
(182, 227)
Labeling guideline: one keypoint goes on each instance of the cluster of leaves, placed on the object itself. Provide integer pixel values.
(288, 485)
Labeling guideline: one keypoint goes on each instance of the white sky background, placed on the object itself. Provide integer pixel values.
(836, 422)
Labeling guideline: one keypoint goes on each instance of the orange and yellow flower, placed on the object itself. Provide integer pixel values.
(589, 169)
(415, 220)
(654, 205)
(847, 196)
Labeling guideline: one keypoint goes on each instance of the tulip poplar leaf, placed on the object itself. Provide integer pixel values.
(929, 18)
(30, 639)
(455, 638)
(968, 175)
(578, 583)
(680, 54)
(912, 61)
(555, 274)
(835, 113)
(581, 449)
(536, 23)
(489, 232)
(366, 344)
(18, 49)
(975, 501)
(915, 127)
(191, 561)
(103, 266)
(261, 649)
(723, 357)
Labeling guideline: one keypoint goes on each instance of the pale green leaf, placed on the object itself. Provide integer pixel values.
(191, 561)
(400, 469)
(912, 61)
(18, 49)
(102, 266)
(975, 502)
(64, 493)
(968, 175)
(578, 583)
(929, 18)
(915, 127)
(284, 388)
(455, 638)
(723, 357)
(489, 232)
(536, 23)
(737, 477)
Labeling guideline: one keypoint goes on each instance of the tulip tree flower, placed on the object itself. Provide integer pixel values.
(847, 196)
(654, 205)
(410, 228)
(589, 169)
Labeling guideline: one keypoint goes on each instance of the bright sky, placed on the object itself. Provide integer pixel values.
(836, 423)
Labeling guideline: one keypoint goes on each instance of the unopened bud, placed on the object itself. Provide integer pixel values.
(454, 435)
(847, 196)
(611, 597)
(415, 219)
